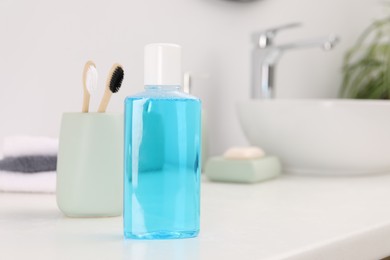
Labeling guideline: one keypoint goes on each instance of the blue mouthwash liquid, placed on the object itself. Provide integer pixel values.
(162, 165)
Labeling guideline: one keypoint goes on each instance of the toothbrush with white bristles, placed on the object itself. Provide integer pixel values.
(90, 80)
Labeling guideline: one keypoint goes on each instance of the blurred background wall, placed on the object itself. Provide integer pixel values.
(44, 45)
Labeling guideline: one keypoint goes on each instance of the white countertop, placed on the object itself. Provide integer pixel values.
(292, 217)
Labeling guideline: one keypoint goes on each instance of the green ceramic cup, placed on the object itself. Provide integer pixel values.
(90, 165)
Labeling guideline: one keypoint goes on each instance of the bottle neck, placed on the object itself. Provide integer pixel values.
(163, 87)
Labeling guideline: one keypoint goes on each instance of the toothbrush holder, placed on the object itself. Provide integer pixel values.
(90, 165)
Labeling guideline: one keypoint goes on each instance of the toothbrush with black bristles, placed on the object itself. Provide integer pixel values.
(113, 84)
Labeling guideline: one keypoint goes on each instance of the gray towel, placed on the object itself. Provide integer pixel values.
(29, 164)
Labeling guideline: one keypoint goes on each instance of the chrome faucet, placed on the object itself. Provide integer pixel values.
(266, 55)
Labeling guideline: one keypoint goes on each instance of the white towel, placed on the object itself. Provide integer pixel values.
(42, 182)
(14, 146)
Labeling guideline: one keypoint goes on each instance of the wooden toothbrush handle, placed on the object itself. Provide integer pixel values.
(86, 102)
(104, 103)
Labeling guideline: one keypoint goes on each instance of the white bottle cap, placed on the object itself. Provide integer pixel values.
(162, 64)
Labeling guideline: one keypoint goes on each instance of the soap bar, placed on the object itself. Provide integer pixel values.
(244, 153)
(242, 171)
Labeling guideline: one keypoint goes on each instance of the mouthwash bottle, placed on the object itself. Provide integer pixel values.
(162, 152)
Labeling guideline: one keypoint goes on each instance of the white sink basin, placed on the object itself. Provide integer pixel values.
(321, 136)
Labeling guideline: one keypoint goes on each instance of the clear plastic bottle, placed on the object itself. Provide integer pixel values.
(162, 152)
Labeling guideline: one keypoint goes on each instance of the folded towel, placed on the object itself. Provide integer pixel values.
(29, 164)
(15, 146)
(42, 182)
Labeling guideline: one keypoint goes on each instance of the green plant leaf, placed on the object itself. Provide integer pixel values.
(366, 65)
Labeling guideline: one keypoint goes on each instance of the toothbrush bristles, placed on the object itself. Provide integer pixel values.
(92, 79)
(116, 79)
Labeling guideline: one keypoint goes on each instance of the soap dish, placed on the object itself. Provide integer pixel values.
(242, 171)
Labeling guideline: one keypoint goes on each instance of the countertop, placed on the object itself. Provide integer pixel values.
(292, 217)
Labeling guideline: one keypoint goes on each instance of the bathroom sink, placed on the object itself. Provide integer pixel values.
(331, 137)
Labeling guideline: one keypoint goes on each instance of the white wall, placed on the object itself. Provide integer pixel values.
(44, 45)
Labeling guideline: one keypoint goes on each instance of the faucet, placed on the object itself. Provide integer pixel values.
(266, 55)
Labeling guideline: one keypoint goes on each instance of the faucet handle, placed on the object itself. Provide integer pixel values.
(264, 38)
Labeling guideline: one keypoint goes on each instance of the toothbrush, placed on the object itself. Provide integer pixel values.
(90, 78)
(114, 82)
